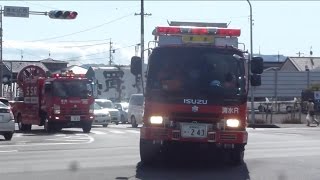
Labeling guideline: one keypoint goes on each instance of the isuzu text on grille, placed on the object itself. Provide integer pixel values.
(195, 101)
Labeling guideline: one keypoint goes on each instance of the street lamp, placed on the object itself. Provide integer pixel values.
(250, 58)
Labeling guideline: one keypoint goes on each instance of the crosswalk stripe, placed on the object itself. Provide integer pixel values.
(98, 132)
(116, 132)
(133, 131)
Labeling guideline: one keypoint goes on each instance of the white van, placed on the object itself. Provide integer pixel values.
(135, 110)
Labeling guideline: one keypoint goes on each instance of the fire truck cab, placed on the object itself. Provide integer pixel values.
(196, 90)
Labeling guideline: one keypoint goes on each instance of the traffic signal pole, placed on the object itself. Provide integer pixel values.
(1, 60)
(56, 14)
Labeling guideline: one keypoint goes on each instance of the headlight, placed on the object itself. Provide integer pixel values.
(233, 122)
(156, 119)
(91, 109)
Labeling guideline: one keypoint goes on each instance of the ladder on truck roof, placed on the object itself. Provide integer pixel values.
(197, 24)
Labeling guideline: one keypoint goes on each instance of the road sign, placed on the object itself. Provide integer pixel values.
(16, 11)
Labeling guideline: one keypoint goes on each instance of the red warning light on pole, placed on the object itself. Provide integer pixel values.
(58, 14)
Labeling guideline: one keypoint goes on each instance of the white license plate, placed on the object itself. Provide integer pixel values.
(193, 130)
(75, 118)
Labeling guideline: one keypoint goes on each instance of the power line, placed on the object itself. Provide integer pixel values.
(87, 45)
(40, 5)
(85, 30)
(87, 40)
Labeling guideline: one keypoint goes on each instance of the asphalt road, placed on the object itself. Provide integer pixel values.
(113, 153)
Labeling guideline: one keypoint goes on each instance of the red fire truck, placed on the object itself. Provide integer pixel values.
(56, 102)
(196, 90)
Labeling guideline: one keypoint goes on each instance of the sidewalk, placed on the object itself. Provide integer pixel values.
(280, 125)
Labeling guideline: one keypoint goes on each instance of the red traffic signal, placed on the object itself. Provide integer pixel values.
(57, 14)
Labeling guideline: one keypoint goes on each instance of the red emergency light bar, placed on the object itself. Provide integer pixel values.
(176, 30)
(68, 74)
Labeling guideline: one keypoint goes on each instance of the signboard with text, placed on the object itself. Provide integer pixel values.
(16, 11)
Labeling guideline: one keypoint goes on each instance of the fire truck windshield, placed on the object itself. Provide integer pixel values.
(196, 69)
(72, 88)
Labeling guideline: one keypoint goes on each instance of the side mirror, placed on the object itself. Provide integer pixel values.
(136, 65)
(255, 80)
(257, 65)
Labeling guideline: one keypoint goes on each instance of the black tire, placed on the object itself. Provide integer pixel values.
(21, 126)
(237, 157)
(134, 122)
(261, 109)
(105, 125)
(123, 121)
(86, 127)
(148, 151)
(8, 136)
(116, 122)
(289, 109)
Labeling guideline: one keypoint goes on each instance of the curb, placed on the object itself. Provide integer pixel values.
(263, 126)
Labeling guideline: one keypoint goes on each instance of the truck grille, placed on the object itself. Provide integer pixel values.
(75, 111)
(194, 115)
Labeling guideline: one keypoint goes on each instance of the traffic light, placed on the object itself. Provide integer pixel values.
(57, 14)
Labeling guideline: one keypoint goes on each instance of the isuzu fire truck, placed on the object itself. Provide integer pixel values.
(196, 91)
(56, 102)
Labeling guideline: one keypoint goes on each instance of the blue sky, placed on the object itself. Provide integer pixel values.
(286, 27)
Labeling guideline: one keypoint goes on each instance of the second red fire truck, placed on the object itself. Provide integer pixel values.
(55, 102)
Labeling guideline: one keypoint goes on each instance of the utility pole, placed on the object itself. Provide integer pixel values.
(251, 54)
(21, 51)
(299, 53)
(111, 50)
(142, 14)
(1, 60)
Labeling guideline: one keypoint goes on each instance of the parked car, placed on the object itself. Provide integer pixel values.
(108, 105)
(5, 101)
(101, 116)
(135, 110)
(123, 109)
(7, 124)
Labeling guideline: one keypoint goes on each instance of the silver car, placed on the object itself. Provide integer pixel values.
(109, 106)
(123, 109)
(101, 116)
(7, 125)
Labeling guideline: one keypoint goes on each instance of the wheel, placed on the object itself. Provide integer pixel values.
(122, 119)
(21, 126)
(261, 109)
(105, 125)
(86, 127)
(116, 122)
(133, 122)
(289, 109)
(237, 156)
(148, 151)
(8, 136)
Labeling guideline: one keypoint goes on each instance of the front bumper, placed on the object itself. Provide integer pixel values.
(101, 121)
(7, 126)
(217, 136)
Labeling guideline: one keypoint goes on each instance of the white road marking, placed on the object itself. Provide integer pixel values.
(89, 140)
(116, 132)
(9, 151)
(98, 132)
(133, 131)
